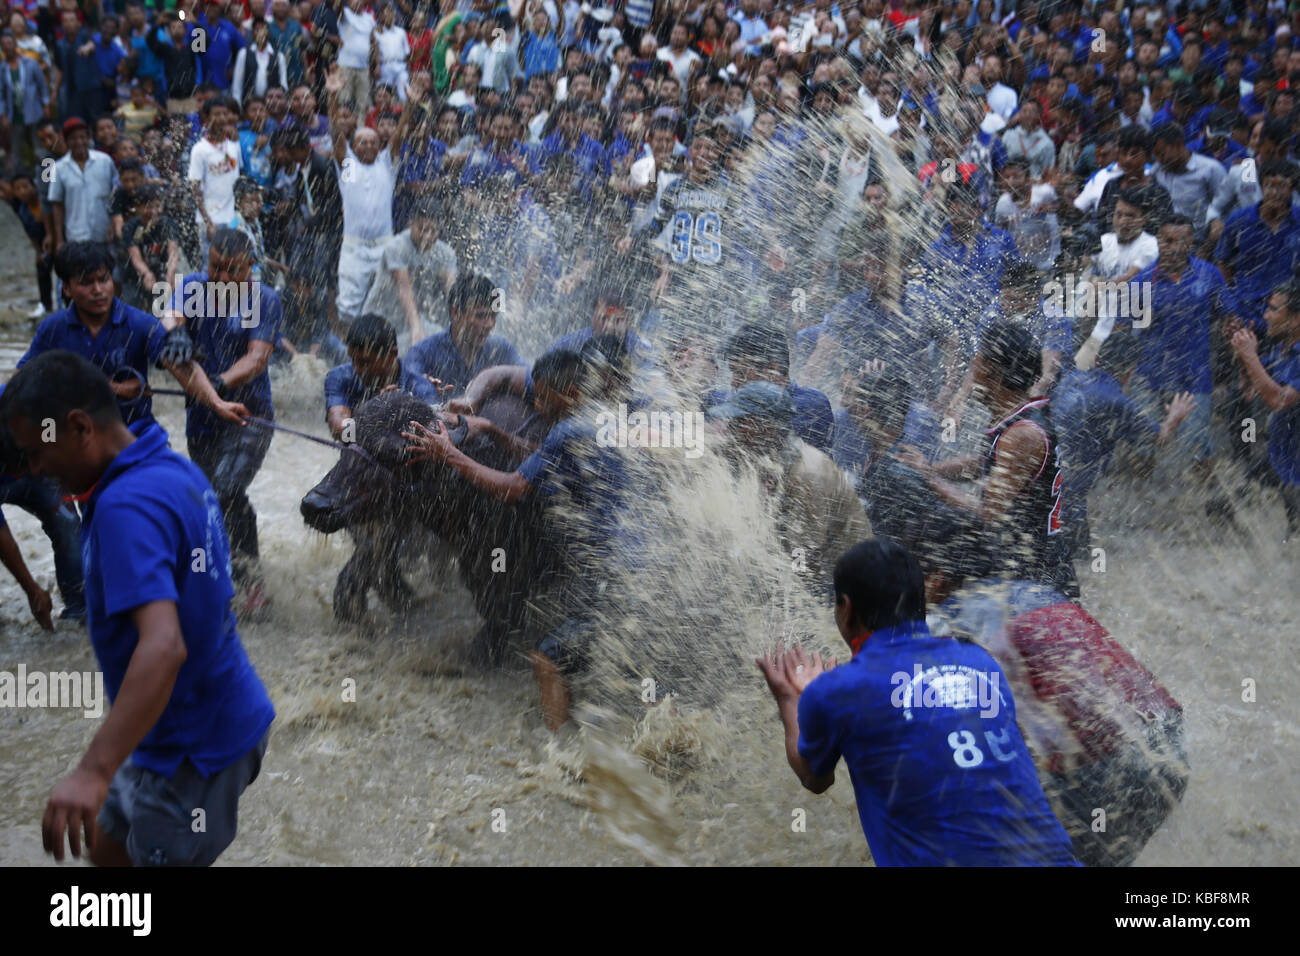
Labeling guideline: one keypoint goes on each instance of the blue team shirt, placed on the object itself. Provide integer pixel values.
(1092, 415)
(1176, 346)
(571, 463)
(438, 356)
(1283, 366)
(949, 784)
(343, 386)
(224, 340)
(130, 339)
(153, 531)
(968, 277)
(224, 41)
(1261, 259)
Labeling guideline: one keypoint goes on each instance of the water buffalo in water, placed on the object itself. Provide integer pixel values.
(394, 508)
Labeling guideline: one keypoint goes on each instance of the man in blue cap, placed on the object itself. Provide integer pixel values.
(820, 514)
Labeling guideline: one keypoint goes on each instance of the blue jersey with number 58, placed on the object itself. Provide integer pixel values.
(927, 728)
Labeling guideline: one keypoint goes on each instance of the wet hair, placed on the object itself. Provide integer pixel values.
(1276, 131)
(1134, 137)
(77, 260)
(1169, 133)
(760, 345)
(1015, 354)
(372, 333)
(1138, 197)
(233, 244)
(148, 193)
(560, 370)
(425, 207)
(1176, 220)
(1279, 167)
(1291, 290)
(883, 583)
(1019, 162)
(58, 382)
(471, 289)
(130, 166)
(291, 136)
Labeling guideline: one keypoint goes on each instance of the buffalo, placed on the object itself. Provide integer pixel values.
(395, 510)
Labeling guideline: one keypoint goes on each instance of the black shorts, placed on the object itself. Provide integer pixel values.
(1137, 787)
(184, 820)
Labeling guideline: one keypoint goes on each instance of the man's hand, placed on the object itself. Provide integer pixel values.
(461, 406)
(428, 444)
(38, 599)
(72, 807)
(128, 390)
(789, 674)
(1179, 408)
(233, 412)
(211, 228)
(1244, 343)
(334, 80)
(437, 383)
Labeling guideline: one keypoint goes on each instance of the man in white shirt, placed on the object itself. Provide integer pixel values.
(366, 184)
(416, 272)
(883, 110)
(1001, 98)
(80, 189)
(215, 165)
(1124, 253)
(257, 66)
(1028, 140)
(394, 48)
(356, 31)
(677, 54)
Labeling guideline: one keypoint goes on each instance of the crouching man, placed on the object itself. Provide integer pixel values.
(187, 707)
(926, 726)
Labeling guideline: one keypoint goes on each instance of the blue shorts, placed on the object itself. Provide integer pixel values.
(158, 819)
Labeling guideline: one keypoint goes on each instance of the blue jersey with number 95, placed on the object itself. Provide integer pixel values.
(927, 728)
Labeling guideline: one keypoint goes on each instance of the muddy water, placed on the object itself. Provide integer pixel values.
(434, 764)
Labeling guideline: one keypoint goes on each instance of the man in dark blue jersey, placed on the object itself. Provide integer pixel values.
(1093, 415)
(187, 707)
(373, 367)
(586, 478)
(235, 322)
(124, 343)
(760, 353)
(926, 726)
(453, 358)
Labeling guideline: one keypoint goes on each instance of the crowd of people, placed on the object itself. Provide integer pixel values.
(1080, 216)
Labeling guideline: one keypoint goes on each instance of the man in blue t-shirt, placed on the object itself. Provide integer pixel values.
(1093, 414)
(760, 353)
(926, 726)
(1274, 379)
(374, 368)
(586, 478)
(235, 323)
(187, 707)
(124, 343)
(451, 359)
